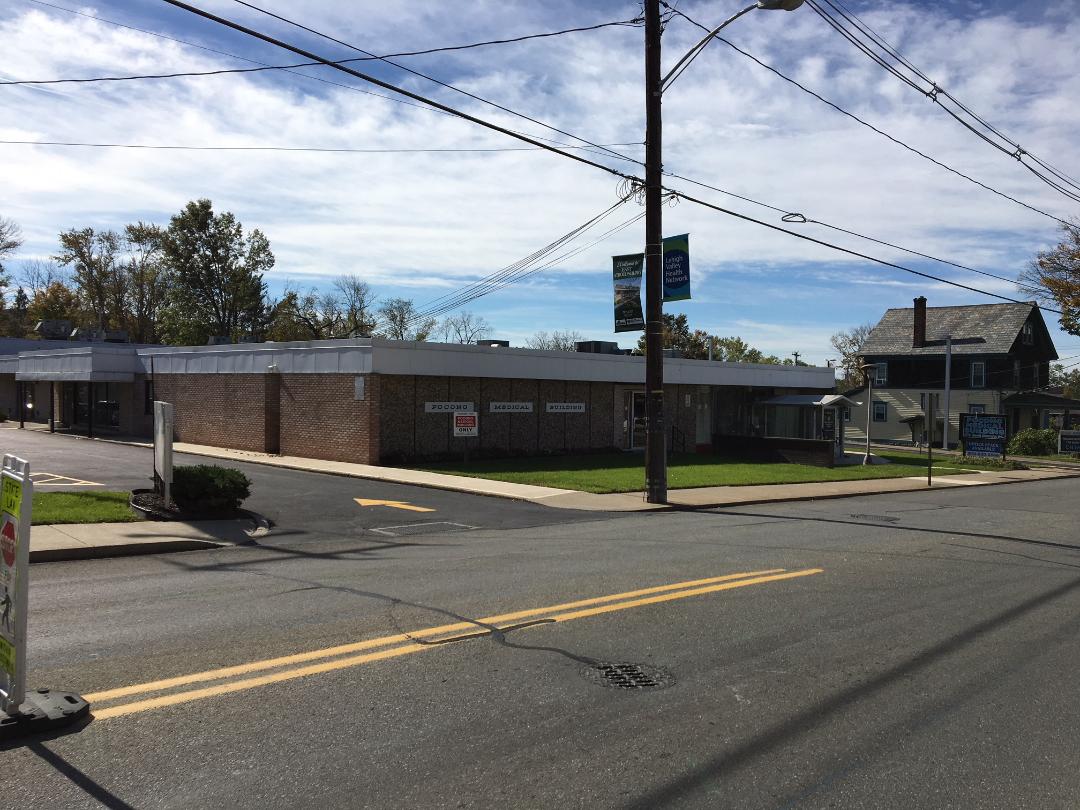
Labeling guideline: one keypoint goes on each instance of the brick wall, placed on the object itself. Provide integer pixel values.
(222, 410)
(321, 417)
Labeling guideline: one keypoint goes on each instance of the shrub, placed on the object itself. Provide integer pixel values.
(207, 488)
(1034, 442)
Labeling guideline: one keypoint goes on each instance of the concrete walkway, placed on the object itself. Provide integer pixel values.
(697, 498)
(81, 541)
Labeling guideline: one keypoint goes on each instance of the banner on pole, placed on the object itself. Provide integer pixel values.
(677, 268)
(626, 271)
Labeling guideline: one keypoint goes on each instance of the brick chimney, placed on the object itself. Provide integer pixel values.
(918, 336)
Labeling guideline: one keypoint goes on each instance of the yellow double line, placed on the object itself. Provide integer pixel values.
(406, 643)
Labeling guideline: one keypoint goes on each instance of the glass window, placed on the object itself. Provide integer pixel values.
(1028, 334)
(881, 412)
(978, 374)
(148, 398)
(881, 373)
(847, 414)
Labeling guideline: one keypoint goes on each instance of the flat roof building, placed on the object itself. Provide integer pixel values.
(372, 401)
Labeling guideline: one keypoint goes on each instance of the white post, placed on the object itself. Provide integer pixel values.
(869, 410)
(948, 388)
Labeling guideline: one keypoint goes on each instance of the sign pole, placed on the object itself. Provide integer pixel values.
(41, 709)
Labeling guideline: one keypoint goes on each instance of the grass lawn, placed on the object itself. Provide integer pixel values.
(624, 472)
(82, 507)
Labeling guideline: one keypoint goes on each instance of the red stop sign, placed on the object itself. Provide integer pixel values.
(7, 543)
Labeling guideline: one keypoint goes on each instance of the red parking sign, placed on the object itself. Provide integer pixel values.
(466, 424)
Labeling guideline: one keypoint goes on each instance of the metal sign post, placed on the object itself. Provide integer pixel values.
(163, 439)
(466, 425)
(41, 709)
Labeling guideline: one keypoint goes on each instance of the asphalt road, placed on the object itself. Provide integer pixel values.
(304, 506)
(917, 650)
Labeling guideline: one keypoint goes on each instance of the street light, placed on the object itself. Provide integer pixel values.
(865, 369)
(655, 84)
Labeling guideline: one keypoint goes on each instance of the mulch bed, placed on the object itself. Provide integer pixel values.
(154, 507)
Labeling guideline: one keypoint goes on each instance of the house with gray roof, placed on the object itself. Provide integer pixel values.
(1000, 364)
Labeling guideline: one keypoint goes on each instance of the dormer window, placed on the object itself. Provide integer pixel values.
(1027, 334)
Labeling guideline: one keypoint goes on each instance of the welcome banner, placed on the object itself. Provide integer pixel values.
(626, 271)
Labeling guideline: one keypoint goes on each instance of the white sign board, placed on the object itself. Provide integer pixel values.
(566, 407)
(15, 502)
(511, 407)
(466, 424)
(447, 407)
(163, 438)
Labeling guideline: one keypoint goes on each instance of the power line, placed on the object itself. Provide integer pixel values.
(850, 252)
(401, 91)
(354, 89)
(625, 23)
(854, 31)
(292, 148)
(421, 75)
(872, 127)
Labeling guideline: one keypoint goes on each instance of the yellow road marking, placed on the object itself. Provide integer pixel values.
(392, 504)
(45, 479)
(457, 627)
(408, 648)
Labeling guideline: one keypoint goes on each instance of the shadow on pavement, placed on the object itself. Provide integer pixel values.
(78, 778)
(682, 786)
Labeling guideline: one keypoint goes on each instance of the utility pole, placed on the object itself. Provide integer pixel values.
(655, 439)
(796, 356)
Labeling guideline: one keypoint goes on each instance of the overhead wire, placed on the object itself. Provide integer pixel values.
(264, 65)
(872, 127)
(328, 149)
(427, 51)
(850, 28)
(422, 75)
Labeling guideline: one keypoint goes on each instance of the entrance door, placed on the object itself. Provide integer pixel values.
(634, 415)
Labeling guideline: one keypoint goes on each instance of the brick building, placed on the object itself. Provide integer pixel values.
(375, 401)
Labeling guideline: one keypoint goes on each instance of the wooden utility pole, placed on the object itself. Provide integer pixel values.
(655, 439)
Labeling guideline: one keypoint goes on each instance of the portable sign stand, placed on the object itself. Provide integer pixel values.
(41, 709)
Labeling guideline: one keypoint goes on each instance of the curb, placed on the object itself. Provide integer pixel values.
(126, 550)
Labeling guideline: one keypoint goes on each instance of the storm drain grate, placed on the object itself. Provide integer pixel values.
(878, 518)
(628, 676)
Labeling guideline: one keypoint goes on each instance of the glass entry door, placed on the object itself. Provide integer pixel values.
(634, 419)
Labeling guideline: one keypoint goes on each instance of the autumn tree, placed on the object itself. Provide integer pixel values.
(1054, 278)
(10, 241)
(92, 257)
(144, 281)
(214, 277)
(400, 320)
(848, 345)
(357, 301)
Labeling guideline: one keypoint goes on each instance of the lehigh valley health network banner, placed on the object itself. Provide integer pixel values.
(627, 275)
(677, 268)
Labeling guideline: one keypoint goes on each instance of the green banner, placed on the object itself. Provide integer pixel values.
(626, 271)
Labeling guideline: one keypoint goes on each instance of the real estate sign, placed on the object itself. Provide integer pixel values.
(16, 493)
(626, 273)
(1069, 441)
(677, 267)
(983, 434)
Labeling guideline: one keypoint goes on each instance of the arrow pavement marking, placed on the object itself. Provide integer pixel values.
(392, 504)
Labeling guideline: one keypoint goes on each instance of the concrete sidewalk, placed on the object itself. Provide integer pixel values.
(697, 498)
(81, 541)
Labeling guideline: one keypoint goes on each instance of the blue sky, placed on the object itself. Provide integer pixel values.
(421, 225)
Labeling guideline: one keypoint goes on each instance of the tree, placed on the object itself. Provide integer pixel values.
(849, 345)
(464, 327)
(357, 306)
(214, 277)
(1067, 380)
(92, 257)
(1054, 278)
(10, 241)
(402, 321)
(144, 283)
(557, 341)
(57, 302)
(313, 315)
(36, 275)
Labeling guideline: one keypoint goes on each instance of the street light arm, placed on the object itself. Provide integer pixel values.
(691, 54)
